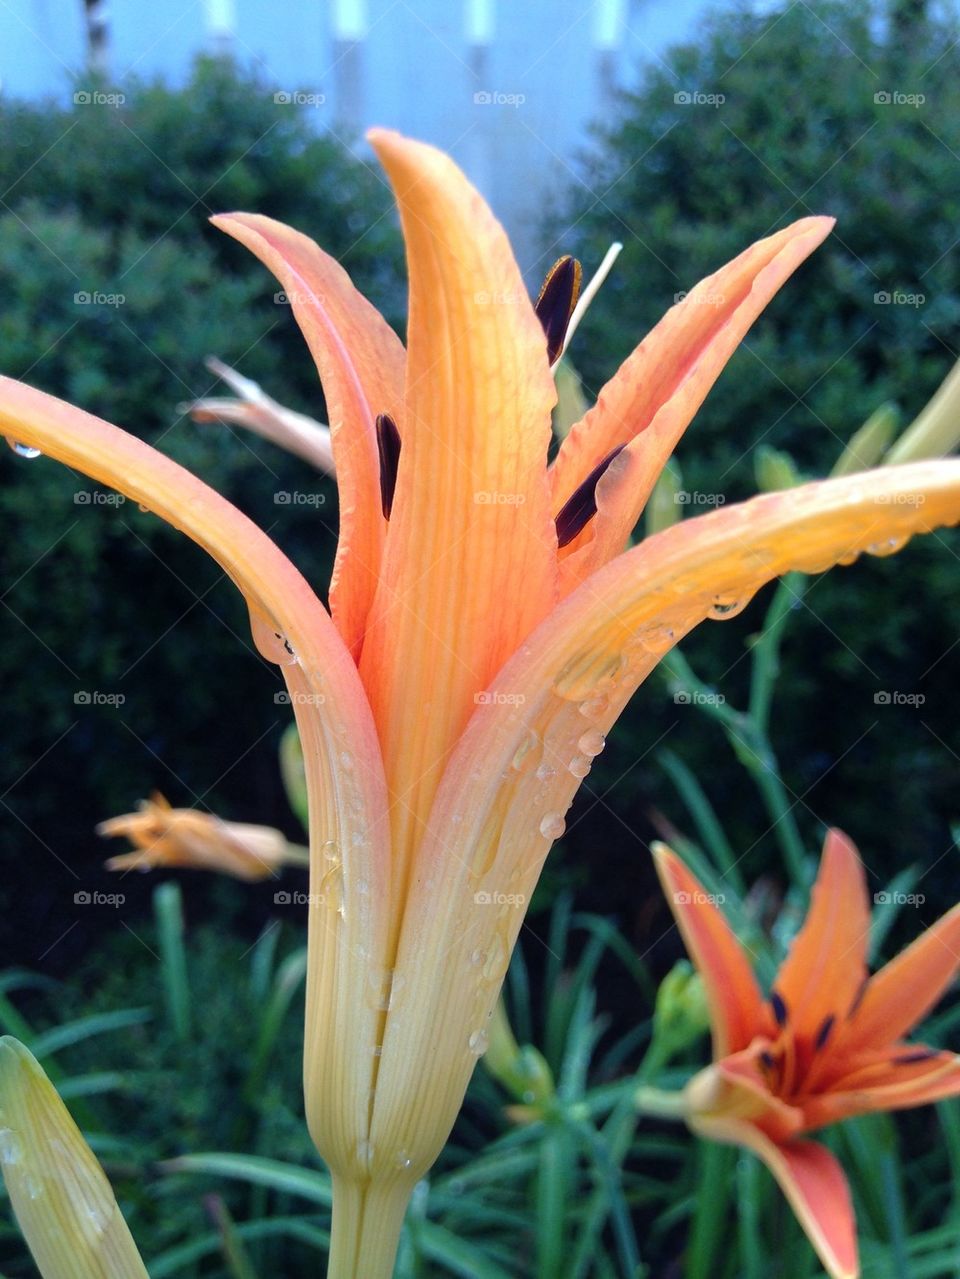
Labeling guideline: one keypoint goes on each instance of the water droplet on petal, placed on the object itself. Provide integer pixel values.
(889, 546)
(22, 450)
(594, 707)
(579, 766)
(269, 642)
(591, 743)
(552, 825)
(526, 753)
(725, 606)
(403, 1160)
(478, 1042)
(10, 1151)
(545, 772)
(657, 638)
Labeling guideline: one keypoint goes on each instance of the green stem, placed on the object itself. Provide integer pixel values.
(766, 650)
(367, 1220)
(659, 1102)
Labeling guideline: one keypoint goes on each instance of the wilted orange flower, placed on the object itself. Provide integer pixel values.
(486, 626)
(825, 1044)
(184, 837)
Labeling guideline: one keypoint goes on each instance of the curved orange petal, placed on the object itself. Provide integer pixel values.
(521, 759)
(655, 393)
(814, 1184)
(470, 561)
(361, 364)
(827, 962)
(911, 1076)
(902, 993)
(733, 995)
(350, 868)
(735, 1088)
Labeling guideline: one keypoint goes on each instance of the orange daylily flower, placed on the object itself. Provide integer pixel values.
(476, 654)
(827, 1043)
(184, 837)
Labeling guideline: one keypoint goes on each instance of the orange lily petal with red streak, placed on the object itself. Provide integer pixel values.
(827, 962)
(903, 992)
(361, 364)
(657, 390)
(347, 805)
(508, 781)
(465, 578)
(813, 1182)
(733, 995)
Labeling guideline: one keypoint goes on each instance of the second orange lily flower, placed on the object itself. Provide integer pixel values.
(826, 1044)
(487, 627)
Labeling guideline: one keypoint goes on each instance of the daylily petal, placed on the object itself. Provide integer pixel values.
(361, 364)
(260, 413)
(735, 1088)
(657, 390)
(902, 993)
(912, 1076)
(522, 757)
(62, 1199)
(733, 995)
(814, 1184)
(470, 561)
(165, 836)
(827, 962)
(350, 868)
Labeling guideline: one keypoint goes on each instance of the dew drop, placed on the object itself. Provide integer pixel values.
(526, 753)
(270, 644)
(22, 450)
(657, 638)
(330, 850)
(478, 956)
(594, 707)
(552, 825)
(9, 1147)
(346, 760)
(478, 1042)
(545, 772)
(591, 743)
(725, 606)
(145, 509)
(403, 1160)
(495, 961)
(889, 546)
(579, 766)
